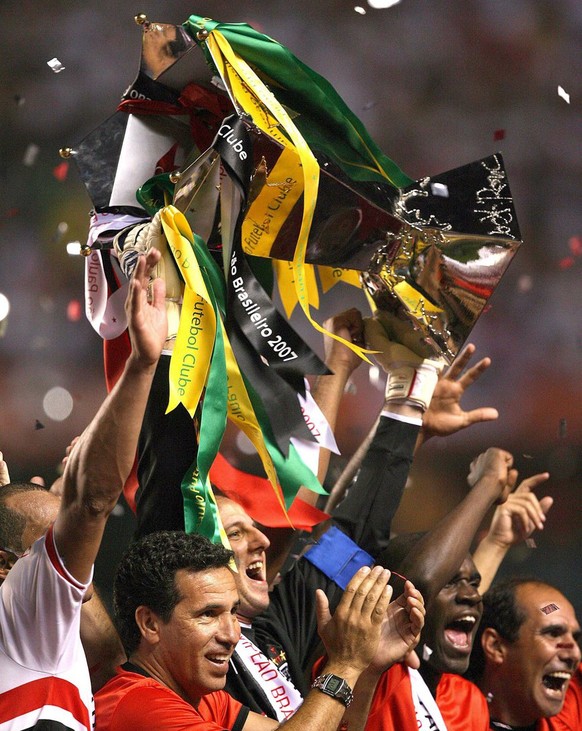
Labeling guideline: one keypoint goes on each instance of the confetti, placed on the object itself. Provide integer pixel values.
(564, 94)
(4, 306)
(56, 65)
(566, 262)
(61, 170)
(498, 135)
(530, 543)
(549, 608)
(74, 311)
(20, 100)
(489, 697)
(524, 283)
(38, 425)
(30, 155)
(426, 653)
(369, 105)
(359, 9)
(381, 4)
(575, 245)
(439, 189)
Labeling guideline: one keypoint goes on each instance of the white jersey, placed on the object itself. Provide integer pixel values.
(44, 679)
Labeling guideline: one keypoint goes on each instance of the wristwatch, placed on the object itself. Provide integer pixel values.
(334, 686)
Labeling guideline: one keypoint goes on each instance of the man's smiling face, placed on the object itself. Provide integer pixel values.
(539, 664)
(249, 545)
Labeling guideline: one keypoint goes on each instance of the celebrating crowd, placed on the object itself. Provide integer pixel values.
(364, 631)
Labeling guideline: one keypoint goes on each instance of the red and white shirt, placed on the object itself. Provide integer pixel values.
(44, 678)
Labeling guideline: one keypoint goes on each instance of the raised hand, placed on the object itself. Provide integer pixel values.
(351, 637)
(518, 517)
(445, 415)
(495, 467)
(349, 326)
(512, 522)
(146, 311)
(401, 629)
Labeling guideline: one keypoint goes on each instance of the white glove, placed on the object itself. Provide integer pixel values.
(410, 377)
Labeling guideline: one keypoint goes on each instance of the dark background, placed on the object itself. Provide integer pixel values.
(438, 83)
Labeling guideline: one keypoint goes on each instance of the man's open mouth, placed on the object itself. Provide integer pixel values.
(557, 681)
(255, 571)
(459, 632)
(219, 660)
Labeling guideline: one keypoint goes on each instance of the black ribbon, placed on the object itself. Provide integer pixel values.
(271, 354)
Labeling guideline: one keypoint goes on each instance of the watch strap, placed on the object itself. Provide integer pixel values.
(335, 687)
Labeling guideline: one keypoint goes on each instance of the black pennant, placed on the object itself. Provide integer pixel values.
(260, 334)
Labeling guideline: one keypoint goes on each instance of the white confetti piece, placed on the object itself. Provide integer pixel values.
(359, 9)
(439, 189)
(381, 4)
(564, 94)
(30, 155)
(426, 653)
(56, 65)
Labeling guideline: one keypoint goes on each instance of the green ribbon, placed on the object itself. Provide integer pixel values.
(324, 120)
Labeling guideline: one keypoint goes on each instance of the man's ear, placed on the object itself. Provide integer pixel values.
(149, 624)
(494, 646)
(6, 563)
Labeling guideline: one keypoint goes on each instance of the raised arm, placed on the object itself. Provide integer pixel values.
(437, 556)
(102, 458)
(445, 415)
(351, 638)
(371, 502)
(513, 521)
(400, 635)
(327, 391)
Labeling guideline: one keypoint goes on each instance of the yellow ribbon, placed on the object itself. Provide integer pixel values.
(330, 276)
(286, 284)
(195, 339)
(269, 115)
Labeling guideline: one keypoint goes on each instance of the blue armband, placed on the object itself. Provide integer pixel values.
(338, 557)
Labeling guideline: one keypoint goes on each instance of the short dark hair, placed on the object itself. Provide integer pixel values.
(13, 522)
(146, 576)
(501, 612)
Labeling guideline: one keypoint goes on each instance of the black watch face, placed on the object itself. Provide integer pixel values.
(334, 684)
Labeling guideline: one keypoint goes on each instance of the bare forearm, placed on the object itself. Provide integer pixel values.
(488, 557)
(102, 459)
(436, 557)
(98, 467)
(318, 712)
(356, 715)
(327, 393)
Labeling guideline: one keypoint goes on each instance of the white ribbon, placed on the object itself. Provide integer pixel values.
(105, 313)
(428, 714)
